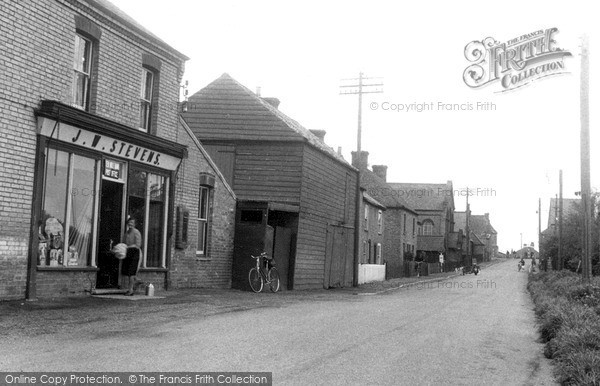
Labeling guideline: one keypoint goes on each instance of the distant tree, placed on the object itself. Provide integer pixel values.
(572, 237)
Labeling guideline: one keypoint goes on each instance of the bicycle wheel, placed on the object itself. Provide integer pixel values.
(256, 281)
(273, 277)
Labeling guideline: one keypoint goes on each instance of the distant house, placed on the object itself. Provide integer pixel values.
(296, 195)
(396, 221)
(480, 226)
(527, 252)
(434, 204)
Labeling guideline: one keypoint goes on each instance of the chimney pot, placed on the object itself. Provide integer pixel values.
(380, 171)
(319, 134)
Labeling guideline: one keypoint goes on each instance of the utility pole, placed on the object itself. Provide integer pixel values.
(560, 220)
(540, 228)
(469, 258)
(360, 88)
(585, 164)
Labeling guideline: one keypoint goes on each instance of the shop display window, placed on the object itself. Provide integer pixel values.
(65, 229)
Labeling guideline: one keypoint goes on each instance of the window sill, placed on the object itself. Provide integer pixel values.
(150, 269)
(203, 258)
(70, 269)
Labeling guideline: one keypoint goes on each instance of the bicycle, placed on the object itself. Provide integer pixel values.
(267, 274)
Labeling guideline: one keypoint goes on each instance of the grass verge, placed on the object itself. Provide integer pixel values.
(569, 321)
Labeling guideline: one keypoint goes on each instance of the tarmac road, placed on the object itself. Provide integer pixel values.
(464, 330)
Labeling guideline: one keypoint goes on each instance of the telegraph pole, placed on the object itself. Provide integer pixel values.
(540, 228)
(585, 164)
(469, 258)
(560, 219)
(360, 88)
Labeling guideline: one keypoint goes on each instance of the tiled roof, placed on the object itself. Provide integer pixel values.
(118, 14)
(372, 201)
(377, 188)
(227, 110)
(423, 196)
(477, 223)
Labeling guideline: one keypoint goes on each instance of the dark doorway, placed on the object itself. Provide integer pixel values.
(109, 233)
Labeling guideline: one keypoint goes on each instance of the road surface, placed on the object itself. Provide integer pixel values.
(467, 330)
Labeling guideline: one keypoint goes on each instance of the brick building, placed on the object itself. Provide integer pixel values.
(434, 204)
(482, 232)
(399, 219)
(90, 135)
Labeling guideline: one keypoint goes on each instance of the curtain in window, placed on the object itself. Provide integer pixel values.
(82, 212)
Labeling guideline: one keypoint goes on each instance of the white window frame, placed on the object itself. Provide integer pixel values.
(427, 224)
(378, 253)
(380, 221)
(203, 223)
(146, 100)
(366, 217)
(86, 72)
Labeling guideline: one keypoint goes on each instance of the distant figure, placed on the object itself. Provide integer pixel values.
(441, 262)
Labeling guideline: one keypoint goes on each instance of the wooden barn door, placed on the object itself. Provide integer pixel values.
(282, 253)
(339, 257)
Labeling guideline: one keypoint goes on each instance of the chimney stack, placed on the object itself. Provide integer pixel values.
(272, 101)
(319, 134)
(360, 161)
(380, 171)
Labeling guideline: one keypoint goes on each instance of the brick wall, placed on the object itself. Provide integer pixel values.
(370, 232)
(213, 270)
(36, 63)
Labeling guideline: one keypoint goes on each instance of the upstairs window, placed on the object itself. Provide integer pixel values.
(380, 222)
(427, 228)
(82, 68)
(146, 94)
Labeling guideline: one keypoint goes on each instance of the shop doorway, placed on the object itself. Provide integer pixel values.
(109, 233)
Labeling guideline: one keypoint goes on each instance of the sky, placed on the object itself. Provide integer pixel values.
(509, 155)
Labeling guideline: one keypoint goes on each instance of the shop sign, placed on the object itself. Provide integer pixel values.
(105, 144)
(113, 169)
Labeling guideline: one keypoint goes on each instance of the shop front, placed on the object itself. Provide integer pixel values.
(92, 174)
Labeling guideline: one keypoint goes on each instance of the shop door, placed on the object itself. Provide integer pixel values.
(109, 233)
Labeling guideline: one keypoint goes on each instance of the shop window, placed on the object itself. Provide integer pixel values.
(147, 200)
(82, 72)
(66, 226)
(146, 95)
(203, 220)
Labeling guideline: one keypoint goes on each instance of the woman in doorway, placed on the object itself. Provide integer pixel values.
(131, 263)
